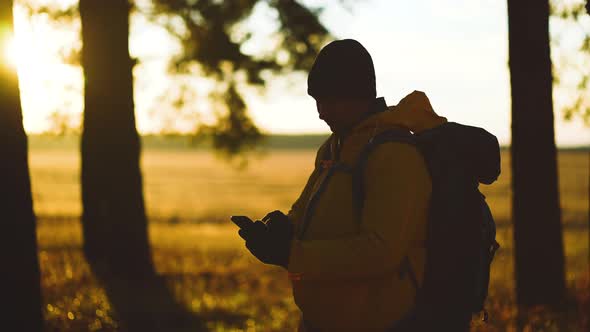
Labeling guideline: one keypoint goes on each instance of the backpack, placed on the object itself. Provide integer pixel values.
(461, 230)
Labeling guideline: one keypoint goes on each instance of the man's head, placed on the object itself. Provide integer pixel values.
(342, 81)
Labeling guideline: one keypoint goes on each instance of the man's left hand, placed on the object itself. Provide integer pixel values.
(281, 231)
(270, 242)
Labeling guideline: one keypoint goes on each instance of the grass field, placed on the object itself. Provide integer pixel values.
(190, 195)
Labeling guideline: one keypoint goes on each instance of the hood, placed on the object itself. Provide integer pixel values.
(413, 112)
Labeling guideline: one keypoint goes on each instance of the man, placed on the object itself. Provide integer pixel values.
(354, 266)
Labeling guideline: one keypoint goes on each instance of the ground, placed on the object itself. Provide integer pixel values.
(190, 196)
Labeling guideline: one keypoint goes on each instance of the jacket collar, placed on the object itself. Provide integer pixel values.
(379, 105)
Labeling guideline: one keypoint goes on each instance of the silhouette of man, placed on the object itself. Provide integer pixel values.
(348, 265)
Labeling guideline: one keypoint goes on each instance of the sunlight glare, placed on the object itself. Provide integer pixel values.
(47, 84)
(11, 51)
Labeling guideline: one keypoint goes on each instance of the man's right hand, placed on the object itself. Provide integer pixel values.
(414, 102)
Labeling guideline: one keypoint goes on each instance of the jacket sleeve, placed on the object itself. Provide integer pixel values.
(397, 194)
(297, 209)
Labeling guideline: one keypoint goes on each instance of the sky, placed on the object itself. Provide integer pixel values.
(455, 51)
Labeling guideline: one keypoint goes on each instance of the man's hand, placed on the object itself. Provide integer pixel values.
(257, 240)
(278, 223)
(281, 231)
(415, 113)
(415, 101)
(270, 242)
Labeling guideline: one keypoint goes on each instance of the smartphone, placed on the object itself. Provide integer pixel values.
(242, 221)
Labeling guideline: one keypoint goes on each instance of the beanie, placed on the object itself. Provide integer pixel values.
(343, 68)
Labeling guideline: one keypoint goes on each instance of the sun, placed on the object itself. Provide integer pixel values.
(31, 47)
(18, 50)
(27, 45)
(24, 52)
(11, 51)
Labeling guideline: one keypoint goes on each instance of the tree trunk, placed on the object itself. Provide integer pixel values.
(114, 221)
(20, 283)
(538, 239)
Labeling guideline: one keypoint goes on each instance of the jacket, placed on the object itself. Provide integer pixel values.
(348, 274)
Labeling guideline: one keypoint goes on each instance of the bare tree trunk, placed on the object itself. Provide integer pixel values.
(536, 211)
(20, 283)
(114, 220)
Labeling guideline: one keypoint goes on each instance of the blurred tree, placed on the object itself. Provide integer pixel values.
(571, 44)
(571, 72)
(213, 34)
(20, 283)
(539, 260)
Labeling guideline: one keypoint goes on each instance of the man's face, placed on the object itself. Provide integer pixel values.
(341, 114)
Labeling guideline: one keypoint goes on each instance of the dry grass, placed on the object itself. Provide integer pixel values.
(193, 185)
(205, 263)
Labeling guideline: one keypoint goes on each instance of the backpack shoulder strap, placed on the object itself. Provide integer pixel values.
(358, 191)
(389, 136)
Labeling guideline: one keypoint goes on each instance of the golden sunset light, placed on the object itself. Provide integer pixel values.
(295, 165)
